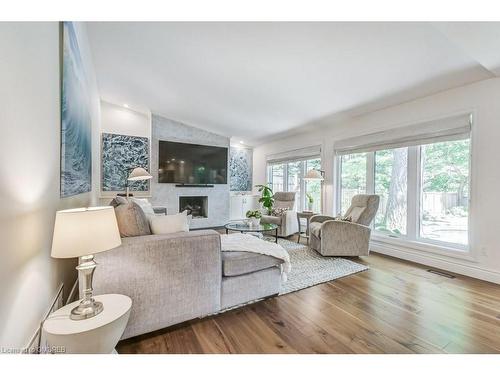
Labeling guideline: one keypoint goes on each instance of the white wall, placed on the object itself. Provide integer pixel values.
(482, 99)
(116, 119)
(29, 166)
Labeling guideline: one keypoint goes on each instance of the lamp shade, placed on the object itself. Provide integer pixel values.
(84, 231)
(313, 174)
(139, 174)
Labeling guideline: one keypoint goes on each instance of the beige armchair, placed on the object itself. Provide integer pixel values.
(332, 237)
(287, 223)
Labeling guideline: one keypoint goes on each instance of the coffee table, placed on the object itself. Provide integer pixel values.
(244, 228)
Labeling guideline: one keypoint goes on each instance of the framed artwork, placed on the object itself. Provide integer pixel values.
(240, 169)
(76, 126)
(119, 155)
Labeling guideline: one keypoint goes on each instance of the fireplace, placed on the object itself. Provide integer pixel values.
(195, 206)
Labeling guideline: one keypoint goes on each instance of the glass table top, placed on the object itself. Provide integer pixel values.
(242, 227)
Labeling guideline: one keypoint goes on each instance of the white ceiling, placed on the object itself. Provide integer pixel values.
(258, 81)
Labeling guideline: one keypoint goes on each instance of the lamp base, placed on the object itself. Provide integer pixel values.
(86, 309)
(88, 306)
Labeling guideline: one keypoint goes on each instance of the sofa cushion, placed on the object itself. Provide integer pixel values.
(144, 204)
(131, 220)
(166, 224)
(315, 228)
(241, 262)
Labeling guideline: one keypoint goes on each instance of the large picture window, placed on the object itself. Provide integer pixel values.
(423, 187)
(292, 172)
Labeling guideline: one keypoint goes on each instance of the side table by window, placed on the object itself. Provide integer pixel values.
(304, 215)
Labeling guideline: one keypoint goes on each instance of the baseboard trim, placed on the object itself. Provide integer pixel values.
(431, 260)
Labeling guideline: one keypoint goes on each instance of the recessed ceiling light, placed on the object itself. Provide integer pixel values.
(125, 105)
(242, 142)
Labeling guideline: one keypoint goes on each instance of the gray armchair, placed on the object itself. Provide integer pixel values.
(287, 223)
(332, 237)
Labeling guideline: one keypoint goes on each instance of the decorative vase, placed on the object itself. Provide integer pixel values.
(310, 206)
(254, 222)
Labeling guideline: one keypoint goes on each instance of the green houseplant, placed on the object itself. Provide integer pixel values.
(266, 198)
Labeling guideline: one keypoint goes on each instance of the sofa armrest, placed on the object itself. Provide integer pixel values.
(171, 278)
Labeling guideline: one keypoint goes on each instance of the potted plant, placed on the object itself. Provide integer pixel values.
(266, 199)
(310, 202)
(254, 217)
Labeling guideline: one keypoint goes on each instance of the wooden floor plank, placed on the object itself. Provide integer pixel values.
(394, 307)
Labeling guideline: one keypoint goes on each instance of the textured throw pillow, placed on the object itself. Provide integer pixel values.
(356, 213)
(343, 218)
(131, 220)
(117, 201)
(169, 223)
(143, 203)
(279, 211)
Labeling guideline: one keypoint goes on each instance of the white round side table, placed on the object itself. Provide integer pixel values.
(98, 334)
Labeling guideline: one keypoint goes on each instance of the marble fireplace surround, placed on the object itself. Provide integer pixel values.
(167, 195)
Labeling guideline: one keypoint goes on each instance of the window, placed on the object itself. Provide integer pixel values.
(292, 172)
(313, 188)
(444, 191)
(293, 177)
(352, 177)
(423, 186)
(391, 178)
(276, 176)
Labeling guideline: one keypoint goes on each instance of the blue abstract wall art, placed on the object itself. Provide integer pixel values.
(76, 127)
(240, 169)
(121, 153)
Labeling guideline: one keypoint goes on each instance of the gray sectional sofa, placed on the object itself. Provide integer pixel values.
(173, 278)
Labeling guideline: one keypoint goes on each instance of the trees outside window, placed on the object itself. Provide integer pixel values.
(391, 177)
(444, 208)
(353, 178)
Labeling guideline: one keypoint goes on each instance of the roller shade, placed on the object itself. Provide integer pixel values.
(447, 129)
(299, 154)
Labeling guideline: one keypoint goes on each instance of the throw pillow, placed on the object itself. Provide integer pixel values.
(117, 201)
(343, 218)
(356, 213)
(169, 223)
(143, 203)
(131, 220)
(279, 211)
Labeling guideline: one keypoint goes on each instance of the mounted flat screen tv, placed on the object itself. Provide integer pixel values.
(185, 163)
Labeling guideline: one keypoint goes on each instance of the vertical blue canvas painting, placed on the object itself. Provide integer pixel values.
(76, 127)
(120, 154)
(240, 169)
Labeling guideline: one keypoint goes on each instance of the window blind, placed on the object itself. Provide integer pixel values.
(300, 154)
(447, 129)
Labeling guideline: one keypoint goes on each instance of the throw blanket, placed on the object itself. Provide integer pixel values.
(252, 244)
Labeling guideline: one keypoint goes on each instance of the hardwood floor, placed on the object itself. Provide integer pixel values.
(395, 307)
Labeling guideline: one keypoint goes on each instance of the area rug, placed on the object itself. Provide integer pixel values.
(310, 268)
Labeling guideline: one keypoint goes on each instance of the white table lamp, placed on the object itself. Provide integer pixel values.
(82, 232)
(314, 175)
(137, 174)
